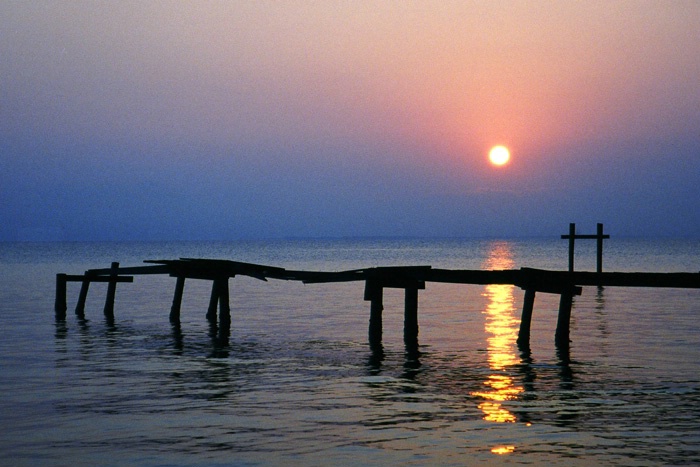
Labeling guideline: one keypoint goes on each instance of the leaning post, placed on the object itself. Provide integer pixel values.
(111, 291)
(526, 319)
(561, 335)
(82, 298)
(224, 306)
(213, 301)
(177, 300)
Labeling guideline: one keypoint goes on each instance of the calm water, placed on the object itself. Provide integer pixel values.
(298, 384)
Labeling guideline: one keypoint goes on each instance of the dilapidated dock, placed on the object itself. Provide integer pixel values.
(567, 284)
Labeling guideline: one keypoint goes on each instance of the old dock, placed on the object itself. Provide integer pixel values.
(566, 284)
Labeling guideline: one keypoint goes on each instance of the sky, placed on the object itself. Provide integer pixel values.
(214, 120)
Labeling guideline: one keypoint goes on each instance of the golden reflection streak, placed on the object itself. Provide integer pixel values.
(503, 449)
(502, 329)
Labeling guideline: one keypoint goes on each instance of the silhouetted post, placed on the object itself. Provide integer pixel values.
(60, 306)
(410, 322)
(224, 307)
(111, 292)
(526, 320)
(599, 249)
(561, 336)
(177, 300)
(375, 293)
(82, 298)
(213, 301)
(572, 238)
(599, 237)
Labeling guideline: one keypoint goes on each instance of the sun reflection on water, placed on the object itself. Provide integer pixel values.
(503, 449)
(502, 329)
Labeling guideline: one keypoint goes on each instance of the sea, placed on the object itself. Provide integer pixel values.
(297, 383)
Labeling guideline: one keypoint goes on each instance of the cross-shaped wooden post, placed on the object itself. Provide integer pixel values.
(599, 236)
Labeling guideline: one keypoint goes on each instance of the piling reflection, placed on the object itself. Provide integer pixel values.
(376, 357)
(220, 339)
(178, 338)
(412, 364)
(61, 330)
(502, 329)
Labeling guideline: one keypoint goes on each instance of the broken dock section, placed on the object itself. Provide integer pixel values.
(567, 284)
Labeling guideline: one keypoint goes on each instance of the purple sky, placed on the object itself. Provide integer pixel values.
(221, 120)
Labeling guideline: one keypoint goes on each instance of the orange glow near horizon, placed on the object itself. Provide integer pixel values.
(501, 327)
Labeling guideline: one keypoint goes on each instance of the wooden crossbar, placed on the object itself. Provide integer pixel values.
(587, 236)
(91, 278)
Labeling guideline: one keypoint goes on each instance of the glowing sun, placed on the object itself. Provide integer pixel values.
(499, 155)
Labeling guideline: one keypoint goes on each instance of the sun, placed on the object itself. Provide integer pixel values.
(499, 155)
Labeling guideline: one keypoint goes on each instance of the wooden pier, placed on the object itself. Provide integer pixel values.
(410, 278)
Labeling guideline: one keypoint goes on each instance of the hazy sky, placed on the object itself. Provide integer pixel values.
(220, 120)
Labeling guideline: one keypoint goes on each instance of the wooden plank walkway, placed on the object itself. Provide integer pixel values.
(410, 278)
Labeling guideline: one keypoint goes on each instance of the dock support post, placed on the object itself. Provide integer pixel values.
(375, 294)
(213, 301)
(410, 323)
(599, 249)
(526, 319)
(177, 300)
(572, 239)
(111, 292)
(60, 306)
(220, 297)
(82, 298)
(561, 336)
(224, 306)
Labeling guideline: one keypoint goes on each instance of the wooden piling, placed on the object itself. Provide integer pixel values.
(82, 298)
(561, 336)
(410, 323)
(213, 301)
(526, 319)
(60, 306)
(375, 294)
(177, 300)
(599, 248)
(111, 291)
(224, 306)
(572, 239)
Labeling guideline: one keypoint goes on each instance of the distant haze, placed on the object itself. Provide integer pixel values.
(223, 120)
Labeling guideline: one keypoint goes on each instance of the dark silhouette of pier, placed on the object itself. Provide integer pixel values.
(566, 284)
